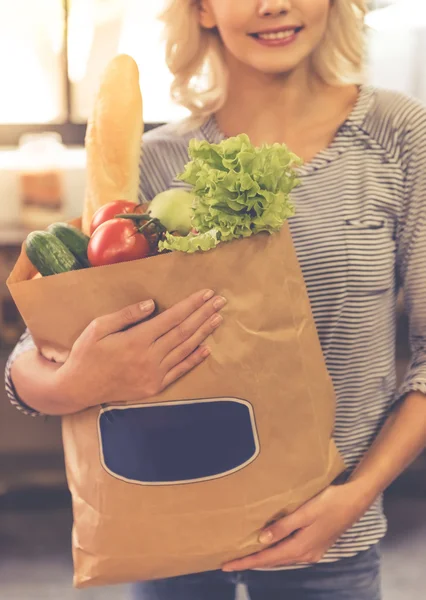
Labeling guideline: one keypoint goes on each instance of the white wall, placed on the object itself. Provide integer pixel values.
(397, 60)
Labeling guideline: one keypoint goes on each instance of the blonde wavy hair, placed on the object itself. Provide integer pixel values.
(195, 55)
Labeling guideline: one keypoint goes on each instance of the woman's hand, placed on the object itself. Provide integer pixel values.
(309, 532)
(123, 357)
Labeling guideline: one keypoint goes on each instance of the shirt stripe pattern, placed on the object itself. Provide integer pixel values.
(360, 234)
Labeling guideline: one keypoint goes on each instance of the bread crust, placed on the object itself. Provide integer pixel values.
(114, 138)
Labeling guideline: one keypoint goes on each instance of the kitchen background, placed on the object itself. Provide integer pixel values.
(52, 54)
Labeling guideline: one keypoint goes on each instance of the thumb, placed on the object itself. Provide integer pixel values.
(121, 319)
(53, 354)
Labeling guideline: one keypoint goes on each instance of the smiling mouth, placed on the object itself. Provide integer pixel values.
(283, 34)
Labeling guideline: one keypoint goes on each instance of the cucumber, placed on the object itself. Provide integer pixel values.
(74, 239)
(49, 255)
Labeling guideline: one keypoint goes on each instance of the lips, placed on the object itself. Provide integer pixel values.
(277, 34)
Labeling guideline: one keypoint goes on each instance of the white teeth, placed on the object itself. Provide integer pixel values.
(280, 35)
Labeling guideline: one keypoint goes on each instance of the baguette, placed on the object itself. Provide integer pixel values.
(114, 139)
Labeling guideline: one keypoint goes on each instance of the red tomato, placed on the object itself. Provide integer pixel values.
(117, 240)
(111, 210)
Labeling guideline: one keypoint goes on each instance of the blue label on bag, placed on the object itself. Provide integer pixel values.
(178, 442)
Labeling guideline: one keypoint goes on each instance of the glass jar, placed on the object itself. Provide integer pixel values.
(41, 180)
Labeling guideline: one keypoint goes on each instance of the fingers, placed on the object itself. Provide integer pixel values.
(285, 527)
(185, 349)
(291, 529)
(195, 359)
(263, 559)
(175, 315)
(292, 551)
(296, 533)
(121, 319)
(193, 329)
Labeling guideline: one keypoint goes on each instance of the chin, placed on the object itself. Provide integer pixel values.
(278, 65)
(277, 68)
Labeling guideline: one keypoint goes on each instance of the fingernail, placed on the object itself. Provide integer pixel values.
(209, 294)
(266, 537)
(205, 352)
(219, 302)
(147, 305)
(216, 320)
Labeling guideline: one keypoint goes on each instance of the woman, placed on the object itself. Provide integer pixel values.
(290, 71)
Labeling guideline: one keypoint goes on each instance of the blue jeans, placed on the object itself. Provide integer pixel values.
(356, 578)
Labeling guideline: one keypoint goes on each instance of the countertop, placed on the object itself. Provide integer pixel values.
(74, 157)
(12, 234)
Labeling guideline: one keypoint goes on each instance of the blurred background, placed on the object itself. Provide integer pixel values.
(52, 55)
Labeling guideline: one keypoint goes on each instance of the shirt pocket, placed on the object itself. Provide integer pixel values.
(177, 442)
(370, 249)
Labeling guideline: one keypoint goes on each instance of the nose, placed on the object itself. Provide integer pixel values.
(269, 8)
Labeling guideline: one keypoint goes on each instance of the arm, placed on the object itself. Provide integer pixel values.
(20, 375)
(35, 386)
(403, 436)
(24, 345)
(401, 440)
(120, 357)
(320, 522)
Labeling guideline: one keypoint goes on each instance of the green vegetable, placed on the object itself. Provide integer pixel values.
(193, 243)
(74, 239)
(173, 208)
(49, 255)
(240, 190)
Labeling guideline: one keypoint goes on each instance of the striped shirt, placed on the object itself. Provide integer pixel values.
(360, 234)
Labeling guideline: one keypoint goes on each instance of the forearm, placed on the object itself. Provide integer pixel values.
(38, 384)
(401, 440)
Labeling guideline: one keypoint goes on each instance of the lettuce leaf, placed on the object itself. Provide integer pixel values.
(240, 190)
(190, 243)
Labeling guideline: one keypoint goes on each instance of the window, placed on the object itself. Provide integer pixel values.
(54, 52)
(31, 67)
(57, 52)
(100, 29)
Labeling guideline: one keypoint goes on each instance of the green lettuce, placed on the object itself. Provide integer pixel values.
(191, 243)
(239, 189)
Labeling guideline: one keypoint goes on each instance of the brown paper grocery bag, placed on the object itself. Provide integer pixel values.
(184, 482)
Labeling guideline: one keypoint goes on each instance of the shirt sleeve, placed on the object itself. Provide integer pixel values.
(164, 155)
(154, 165)
(25, 344)
(411, 252)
